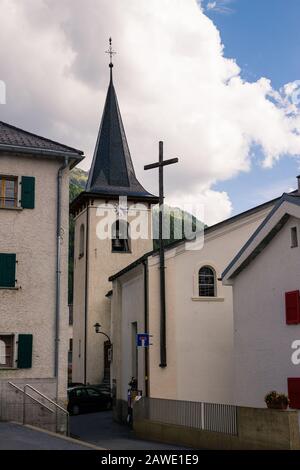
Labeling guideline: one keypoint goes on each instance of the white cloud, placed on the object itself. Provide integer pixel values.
(219, 6)
(173, 83)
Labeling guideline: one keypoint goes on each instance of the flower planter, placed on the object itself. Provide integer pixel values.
(277, 406)
(277, 401)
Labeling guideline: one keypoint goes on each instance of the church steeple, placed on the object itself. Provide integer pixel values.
(112, 171)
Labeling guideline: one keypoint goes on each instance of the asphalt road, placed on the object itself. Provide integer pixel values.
(17, 437)
(101, 430)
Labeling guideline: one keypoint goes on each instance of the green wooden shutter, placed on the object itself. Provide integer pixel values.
(24, 352)
(28, 192)
(7, 270)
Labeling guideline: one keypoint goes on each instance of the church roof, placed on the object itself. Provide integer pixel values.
(263, 235)
(207, 230)
(14, 139)
(112, 171)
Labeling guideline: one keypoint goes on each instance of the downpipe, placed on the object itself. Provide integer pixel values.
(58, 271)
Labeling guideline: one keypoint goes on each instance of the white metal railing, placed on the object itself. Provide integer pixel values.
(214, 417)
(42, 411)
(33, 399)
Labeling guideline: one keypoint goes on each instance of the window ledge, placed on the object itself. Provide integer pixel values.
(9, 288)
(11, 208)
(208, 299)
(9, 368)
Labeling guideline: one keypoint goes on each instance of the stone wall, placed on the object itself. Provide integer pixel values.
(258, 429)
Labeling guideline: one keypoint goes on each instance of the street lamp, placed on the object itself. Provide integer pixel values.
(97, 327)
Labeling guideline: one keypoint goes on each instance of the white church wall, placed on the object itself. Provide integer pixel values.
(102, 264)
(262, 338)
(199, 332)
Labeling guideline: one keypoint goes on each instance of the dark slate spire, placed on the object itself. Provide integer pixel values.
(112, 171)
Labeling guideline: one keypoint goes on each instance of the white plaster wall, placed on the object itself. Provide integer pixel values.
(31, 234)
(262, 338)
(132, 311)
(79, 302)
(102, 264)
(199, 333)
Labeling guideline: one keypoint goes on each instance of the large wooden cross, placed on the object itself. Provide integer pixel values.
(160, 165)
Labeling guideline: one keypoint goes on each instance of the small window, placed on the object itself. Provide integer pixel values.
(120, 237)
(207, 282)
(294, 237)
(6, 351)
(81, 241)
(8, 191)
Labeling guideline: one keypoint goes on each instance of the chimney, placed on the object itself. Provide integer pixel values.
(298, 178)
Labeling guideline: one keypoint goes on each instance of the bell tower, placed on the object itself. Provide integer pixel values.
(105, 218)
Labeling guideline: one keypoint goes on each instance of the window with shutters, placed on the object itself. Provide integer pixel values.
(294, 392)
(7, 270)
(24, 360)
(292, 307)
(8, 191)
(207, 282)
(6, 351)
(28, 192)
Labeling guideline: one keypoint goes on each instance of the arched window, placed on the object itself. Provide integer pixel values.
(81, 241)
(207, 282)
(120, 241)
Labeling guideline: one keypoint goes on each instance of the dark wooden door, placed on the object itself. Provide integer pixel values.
(106, 355)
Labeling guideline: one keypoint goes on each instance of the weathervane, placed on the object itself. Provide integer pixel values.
(111, 53)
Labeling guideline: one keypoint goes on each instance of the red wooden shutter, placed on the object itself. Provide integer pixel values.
(294, 392)
(292, 307)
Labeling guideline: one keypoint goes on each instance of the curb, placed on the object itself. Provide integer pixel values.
(59, 436)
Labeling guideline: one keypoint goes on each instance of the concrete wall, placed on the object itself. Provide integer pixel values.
(257, 430)
(102, 264)
(262, 338)
(31, 234)
(199, 330)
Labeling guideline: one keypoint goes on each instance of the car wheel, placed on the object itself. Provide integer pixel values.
(75, 410)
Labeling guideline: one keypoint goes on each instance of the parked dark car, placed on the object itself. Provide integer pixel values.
(75, 384)
(87, 399)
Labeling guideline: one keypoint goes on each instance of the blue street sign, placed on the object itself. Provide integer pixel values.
(142, 339)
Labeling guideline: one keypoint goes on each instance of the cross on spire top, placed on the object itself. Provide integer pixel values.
(111, 53)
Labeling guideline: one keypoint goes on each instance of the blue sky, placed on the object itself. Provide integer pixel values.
(263, 36)
(58, 88)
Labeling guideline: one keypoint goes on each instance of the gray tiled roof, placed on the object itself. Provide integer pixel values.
(16, 138)
(112, 170)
